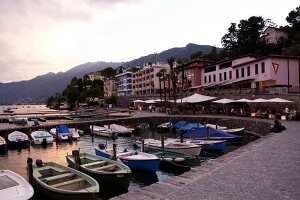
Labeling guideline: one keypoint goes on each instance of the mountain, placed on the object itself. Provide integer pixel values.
(38, 89)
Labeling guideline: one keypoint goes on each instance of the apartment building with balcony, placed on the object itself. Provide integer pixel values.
(95, 76)
(145, 81)
(124, 82)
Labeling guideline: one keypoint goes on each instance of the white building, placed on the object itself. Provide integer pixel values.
(274, 73)
(124, 82)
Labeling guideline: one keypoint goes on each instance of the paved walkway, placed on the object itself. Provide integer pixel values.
(268, 168)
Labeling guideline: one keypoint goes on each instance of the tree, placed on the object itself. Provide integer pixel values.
(181, 63)
(159, 75)
(171, 62)
(294, 17)
(108, 72)
(111, 99)
(197, 54)
(230, 40)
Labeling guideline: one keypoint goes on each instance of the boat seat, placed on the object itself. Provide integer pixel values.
(68, 182)
(65, 175)
(105, 167)
(93, 163)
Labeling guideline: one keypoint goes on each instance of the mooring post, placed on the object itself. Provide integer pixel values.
(194, 134)
(162, 139)
(114, 146)
(216, 126)
(30, 170)
(76, 158)
(92, 132)
(143, 145)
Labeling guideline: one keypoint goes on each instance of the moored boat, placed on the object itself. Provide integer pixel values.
(235, 131)
(173, 146)
(21, 120)
(17, 139)
(190, 126)
(2, 145)
(8, 110)
(143, 126)
(63, 183)
(104, 170)
(102, 131)
(62, 132)
(41, 137)
(178, 125)
(120, 130)
(75, 133)
(215, 126)
(165, 126)
(14, 186)
(208, 133)
(207, 145)
(131, 158)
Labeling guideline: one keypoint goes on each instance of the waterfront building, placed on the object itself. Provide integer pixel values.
(146, 81)
(95, 76)
(109, 87)
(268, 74)
(273, 35)
(124, 82)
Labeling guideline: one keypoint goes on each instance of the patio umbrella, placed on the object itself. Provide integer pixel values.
(224, 101)
(279, 100)
(197, 98)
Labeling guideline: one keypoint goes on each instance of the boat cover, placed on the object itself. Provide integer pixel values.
(202, 133)
(179, 124)
(190, 126)
(63, 128)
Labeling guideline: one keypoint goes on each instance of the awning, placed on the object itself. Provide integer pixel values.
(195, 98)
(138, 101)
(260, 100)
(279, 100)
(224, 101)
(244, 100)
(151, 101)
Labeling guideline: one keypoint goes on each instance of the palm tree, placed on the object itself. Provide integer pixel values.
(171, 62)
(159, 75)
(163, 72)
(181, 63)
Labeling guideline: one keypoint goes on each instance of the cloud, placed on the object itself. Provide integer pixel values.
(43, 36)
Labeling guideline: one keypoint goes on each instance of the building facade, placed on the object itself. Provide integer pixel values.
(274, 35)
(146, 81)
(124, 83)
(109, 87)
(95, 76)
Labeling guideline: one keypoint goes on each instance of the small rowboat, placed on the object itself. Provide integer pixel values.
(17, 139)
(102, 131)
(131, 158)
(104, 170)
(41, 137)
(235, 131)
(63, 183)
(14, 186)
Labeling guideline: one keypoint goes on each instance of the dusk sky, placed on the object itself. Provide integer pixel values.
(41, 36)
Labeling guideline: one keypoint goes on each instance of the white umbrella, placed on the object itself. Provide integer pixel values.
(244, 100)
(138, 101)
(279, 100)
(197, 98)
(224, 101)
(150, 101)
(260, 100)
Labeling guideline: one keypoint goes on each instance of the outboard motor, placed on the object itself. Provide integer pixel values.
(75, 153)
(44, 142)
(39, 162)
(101, 146)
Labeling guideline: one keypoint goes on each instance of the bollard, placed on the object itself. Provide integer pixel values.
(162, 139)
(30, 170)
(194, 134)
(92, 132)
(143, 145)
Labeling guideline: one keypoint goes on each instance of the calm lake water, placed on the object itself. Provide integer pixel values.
(16, 159)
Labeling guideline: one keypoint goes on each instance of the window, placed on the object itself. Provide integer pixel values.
(243, 72)
(225, 65)
(210, 69)
(209, 78)
(248, 71)
(225, 77)
(256, 68)
(220, 76)
(204, 79)
(230, 74)
(237, 73)
(214, 77)
(263, 67)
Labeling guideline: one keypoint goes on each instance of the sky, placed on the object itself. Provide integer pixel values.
(41, 36)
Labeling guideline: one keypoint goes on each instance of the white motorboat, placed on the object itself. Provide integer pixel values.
(215, 126)
(120, 130)
(13, 186)
(17, 139)
(21, 120)
(189, 148)
(75, 133)
(41, 137)
(102, 131)
(61, 131)
(2, 145)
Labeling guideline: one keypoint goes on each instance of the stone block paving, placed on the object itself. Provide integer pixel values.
(268, 168)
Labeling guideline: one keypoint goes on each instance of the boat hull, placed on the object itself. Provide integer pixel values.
(148, 165)
(18, 144)
(63, 196)
(2, 148)
(102, 154)
(121, 180)
(220, 146)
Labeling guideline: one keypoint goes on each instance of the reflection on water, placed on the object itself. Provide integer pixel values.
(16, 159)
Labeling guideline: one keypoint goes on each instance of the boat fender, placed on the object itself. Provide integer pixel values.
(39, 162)
(168, 159)
(179, 159)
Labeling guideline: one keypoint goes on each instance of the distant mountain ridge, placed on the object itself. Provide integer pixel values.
(38, 89)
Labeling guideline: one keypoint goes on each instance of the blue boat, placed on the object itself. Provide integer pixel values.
(62, 132)
(131, 158)
(203, 133)
(178, 125)
(190, 126)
